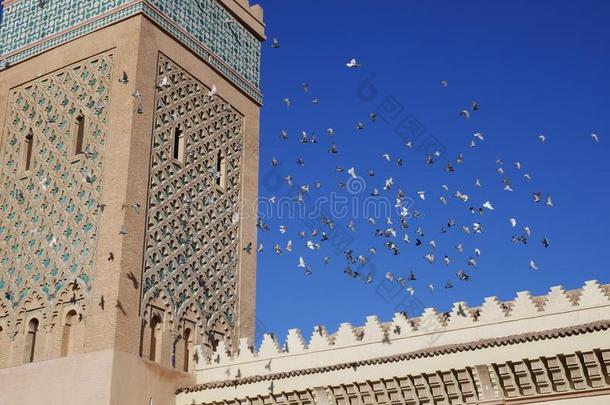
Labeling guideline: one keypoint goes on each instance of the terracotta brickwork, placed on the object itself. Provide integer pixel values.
(78, 229)
(50, 200)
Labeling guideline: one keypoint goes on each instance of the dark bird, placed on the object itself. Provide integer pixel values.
(248, 248)
(124, 79)
(133, 280)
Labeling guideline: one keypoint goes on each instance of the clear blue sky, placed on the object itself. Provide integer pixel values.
(534, 67)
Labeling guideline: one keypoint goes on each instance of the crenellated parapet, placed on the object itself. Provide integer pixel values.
(494, 323)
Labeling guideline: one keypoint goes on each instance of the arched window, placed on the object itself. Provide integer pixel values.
(188, 343)
(78, 135)
(67, 338)
(30, 340)
(155, 338)
(27, 151)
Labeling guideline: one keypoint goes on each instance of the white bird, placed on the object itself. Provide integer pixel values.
(465, 114)
(422, 194)
(352, 172)
(386, 156)
(542, 138)
(595, 137)
(487, 204)
(301, 262)
(429, 258)
(287, 101)
(477, 227)
(312, 246)
(479, 135)
(444, 83)
(353, 63)
(163, 82)
(549, 202)
(477, 183)
(212, 91)
(536, 197)
(513, 222)
(533, 265)
(275, 43)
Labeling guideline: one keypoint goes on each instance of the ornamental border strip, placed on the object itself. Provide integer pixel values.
(120, 14)
(568, 331)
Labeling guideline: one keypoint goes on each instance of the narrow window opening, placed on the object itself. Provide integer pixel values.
(178, 145)
(221, 170)
(188, 341)
(28, 148)
(155, 338)
(66, 343)
(30, 340)
(79, 135)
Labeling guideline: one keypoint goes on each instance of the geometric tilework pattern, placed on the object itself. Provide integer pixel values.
(25, 21)
(192, 236)
(206, 20)
(215, 27)
(49, 215)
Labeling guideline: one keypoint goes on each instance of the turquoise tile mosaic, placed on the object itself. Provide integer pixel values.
(49, 212)
(214, 34)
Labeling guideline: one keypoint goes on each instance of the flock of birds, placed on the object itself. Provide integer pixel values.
(394, 233)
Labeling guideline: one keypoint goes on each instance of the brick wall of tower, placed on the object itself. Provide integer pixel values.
(97, 275)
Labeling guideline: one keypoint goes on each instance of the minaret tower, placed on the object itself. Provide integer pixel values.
(128, 182)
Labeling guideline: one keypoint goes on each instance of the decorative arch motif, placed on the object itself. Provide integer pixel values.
(192, 235)
(49, 216)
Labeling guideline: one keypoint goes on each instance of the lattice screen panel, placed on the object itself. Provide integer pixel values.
(192, 237)
(49, 214)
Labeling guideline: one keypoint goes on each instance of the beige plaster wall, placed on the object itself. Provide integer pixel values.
(83, 379)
